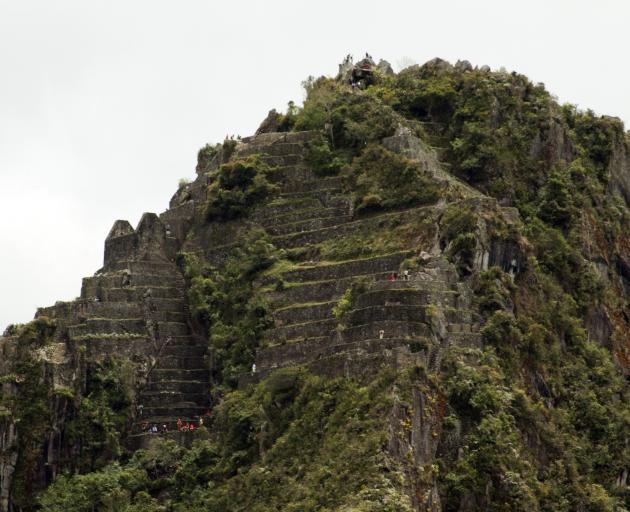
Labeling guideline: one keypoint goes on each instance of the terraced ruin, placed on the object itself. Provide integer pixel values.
(409, 294)
(136, 304)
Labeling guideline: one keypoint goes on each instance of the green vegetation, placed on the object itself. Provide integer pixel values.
(348, 299)
(322, 159)
(527, 417)
(224, 301)
(382, 180)
(383, 235)
(94, 423)
(208, 152)
(103, 415)
(30, 405)
(458, 237)
(534, 417)
(566, 416)
(295, 442)
(354, 120)
(236, 186)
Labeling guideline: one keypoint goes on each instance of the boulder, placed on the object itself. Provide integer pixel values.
(271, 123)
(385, 68)
(463, 66)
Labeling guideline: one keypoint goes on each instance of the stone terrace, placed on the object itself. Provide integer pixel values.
(417, 318)
(135, 307)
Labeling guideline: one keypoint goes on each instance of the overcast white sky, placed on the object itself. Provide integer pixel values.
(104, 104)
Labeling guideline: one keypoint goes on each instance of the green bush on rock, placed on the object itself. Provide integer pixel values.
(236, 186)
(294, 442)
(382, 180)
(223, 300)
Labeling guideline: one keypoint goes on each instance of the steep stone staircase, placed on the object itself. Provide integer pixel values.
(135, 306)
(393, 321)
(144, 301)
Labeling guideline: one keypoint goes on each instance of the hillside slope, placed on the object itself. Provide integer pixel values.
(409, 294)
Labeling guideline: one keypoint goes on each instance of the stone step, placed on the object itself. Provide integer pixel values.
(169, 316)
(317, 236)
(158, 375)
(185, 341)
(405, 296)
(184, 386)
(410, 313)
(361, 362)
(270, 138)
(436, 286)
(283, 160)
(301, 313)
(362, 365)
(401, 313)
(123, 310)
(113, 309)
(140, 293)
(143, 439)
(323, 195)
(104, 327)
(179, 362)
(174, 409)
(332, 289)
(390, 328)
(170, 421)
(285, 206)
(339, 270)
(463, 326)
(291, 174)
(303, 353)
(316, 291)
(184, 350)
(120, 326)
(116, 280)
(466, 339)
(182, 362)
(165, 397)
(439, 269)
(305, 214)
(119, 345)
(274, 149)
(172, 305)
(159, 267)
(308, 187)
(166, 329)
(294, 331)
(308, 225)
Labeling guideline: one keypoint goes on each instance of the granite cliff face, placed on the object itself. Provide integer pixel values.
(447, 241)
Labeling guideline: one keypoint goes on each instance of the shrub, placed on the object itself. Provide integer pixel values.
(348, 299)
(557, 200)
(321, 158)
(224, 302)
(236, 187)
(493, 290)
(458, 236)
(355, 120)
(384, 180)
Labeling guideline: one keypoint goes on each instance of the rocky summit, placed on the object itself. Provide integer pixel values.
(409, 294)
